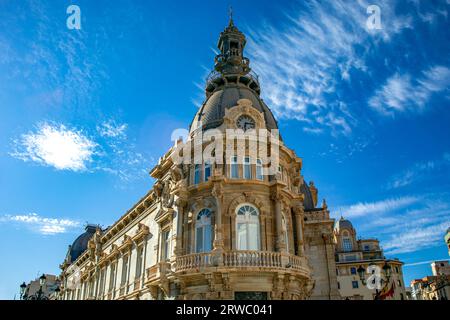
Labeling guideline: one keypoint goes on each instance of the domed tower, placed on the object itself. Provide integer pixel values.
(345, 236)
(251, 232)
(230, 81)
(230, 215)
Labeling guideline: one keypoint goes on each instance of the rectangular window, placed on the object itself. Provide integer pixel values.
(355, 284)
(140, 254)
(347, 244)
(102, 281)
(207, 171)
(234, 169)
(353, 270)
(112, 275)
(339, 285)
(366, 248)
(399, 283)
(165, 246)
(124, 270)
(259, 170)
(247, 168)
(197, 174)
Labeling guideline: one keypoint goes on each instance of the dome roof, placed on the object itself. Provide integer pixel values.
(308, 200)
(343, 224)
(80, 244)
(212, 112)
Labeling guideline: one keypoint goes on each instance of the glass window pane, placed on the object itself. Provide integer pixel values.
(199, 240)
(207, 244)
(247, 168)
(253, 240)
(197, 174)
(259, 174)
(242, 236)
(207, 171)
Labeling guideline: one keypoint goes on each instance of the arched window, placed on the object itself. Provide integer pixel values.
(247, 228)
(203, 231)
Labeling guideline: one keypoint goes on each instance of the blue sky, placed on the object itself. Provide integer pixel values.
(86, 113)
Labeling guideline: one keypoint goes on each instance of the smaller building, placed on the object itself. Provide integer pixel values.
(435, 287)
(355, 264)
(31, 290)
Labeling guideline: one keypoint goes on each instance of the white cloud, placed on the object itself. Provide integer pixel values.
(56, 146)
(380, 207)
(46, 226)
(108, 150)
(302, 62)
(401, 93)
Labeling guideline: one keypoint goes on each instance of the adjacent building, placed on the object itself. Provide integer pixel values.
(38, 289)
(354, 255)
(434, 287)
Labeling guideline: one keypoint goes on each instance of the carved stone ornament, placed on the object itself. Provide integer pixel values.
(167, 197)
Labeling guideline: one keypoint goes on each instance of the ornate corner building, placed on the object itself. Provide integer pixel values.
(215, 231)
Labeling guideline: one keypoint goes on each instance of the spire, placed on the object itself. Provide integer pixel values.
(231, 44)
(230, 12)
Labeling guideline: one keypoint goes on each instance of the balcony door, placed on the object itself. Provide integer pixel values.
(247, 228)
(203, 239)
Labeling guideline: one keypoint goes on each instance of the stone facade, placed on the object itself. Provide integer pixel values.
(215, 231)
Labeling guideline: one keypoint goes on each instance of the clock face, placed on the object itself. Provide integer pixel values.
(245, 123)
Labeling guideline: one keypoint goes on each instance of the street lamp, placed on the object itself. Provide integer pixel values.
(23, 286)
(42, 280)
(57, 292)
(361, 272)
(387, 272)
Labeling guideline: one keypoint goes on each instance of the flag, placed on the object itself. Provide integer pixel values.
(385, 293)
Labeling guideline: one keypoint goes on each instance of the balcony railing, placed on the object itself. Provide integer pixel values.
(241, 259)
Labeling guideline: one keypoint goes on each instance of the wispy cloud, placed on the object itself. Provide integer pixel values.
(303, 62)
(378, 207)
(405, 224)
(417, 238)
(56, 146)
(111, 129)
(401, 93)
(419, 172)
(422, 262)
(42, 225)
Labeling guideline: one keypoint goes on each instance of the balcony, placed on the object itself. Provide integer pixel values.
(257, 260)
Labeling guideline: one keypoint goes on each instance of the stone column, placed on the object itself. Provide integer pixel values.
(218, 244)
(280, 245)
(299, 229)
(179, 246)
